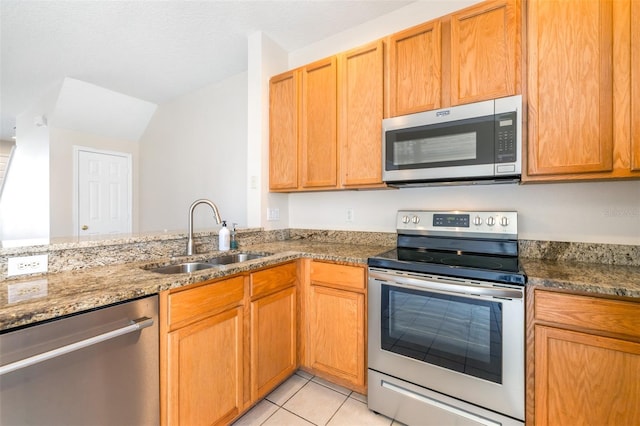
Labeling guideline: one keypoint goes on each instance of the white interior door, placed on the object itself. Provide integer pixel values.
(104, 192)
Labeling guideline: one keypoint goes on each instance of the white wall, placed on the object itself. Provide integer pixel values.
(62, 142)
(196, 147)
(603, 212)
(24, 207)
(265, 59)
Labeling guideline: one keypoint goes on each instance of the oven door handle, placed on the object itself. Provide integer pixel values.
(446, 286)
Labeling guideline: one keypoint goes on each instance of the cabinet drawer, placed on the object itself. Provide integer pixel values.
(341, 276)
(594, 313)
(190, 304)
(273, 279)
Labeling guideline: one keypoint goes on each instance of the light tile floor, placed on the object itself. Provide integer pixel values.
(306, 400)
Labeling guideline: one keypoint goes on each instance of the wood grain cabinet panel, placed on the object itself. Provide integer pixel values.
(586, 379)
(485, 51)
(582, 90)
(283, 131)
(318, 142)
(570, 86)
(337, 336)
(274, 327)
(335, 323)
(583, 359)
(360, 110)
(273, 341)
(415, 69)
(205, 371)
(201, 353)
(635, 86)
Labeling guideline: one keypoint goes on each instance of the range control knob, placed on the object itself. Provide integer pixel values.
(477, 221)
(491, 221)
(504, 221)
(415, 220)
(405, 219)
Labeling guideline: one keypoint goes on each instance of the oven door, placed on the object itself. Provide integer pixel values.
(461, 339)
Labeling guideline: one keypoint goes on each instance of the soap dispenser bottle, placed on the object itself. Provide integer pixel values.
(234, 242)
(223, 237)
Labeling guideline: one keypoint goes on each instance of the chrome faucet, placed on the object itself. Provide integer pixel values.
(190, 244)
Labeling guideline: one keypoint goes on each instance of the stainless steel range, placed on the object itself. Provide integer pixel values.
(446, 321)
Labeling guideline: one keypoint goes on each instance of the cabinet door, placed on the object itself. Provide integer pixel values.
(273, 341)
(485, 52)
(318, 143)
(635, 85)
(415, 69)
(205, 371)
(570, 87)
(360, 87)
(283, 131)
(585, 379)
(336, 334)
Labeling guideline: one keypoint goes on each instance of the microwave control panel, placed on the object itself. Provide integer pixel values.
(506, 145)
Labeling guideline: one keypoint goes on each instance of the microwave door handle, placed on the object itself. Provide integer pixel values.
(447, 286)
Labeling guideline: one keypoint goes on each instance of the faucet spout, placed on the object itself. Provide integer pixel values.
(216, 214)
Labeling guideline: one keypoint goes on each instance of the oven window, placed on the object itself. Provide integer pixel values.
(454, 332)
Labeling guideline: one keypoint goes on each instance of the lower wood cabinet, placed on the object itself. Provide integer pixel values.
(273, 328)
(202, 354)
(225, 344)
(585, 360)
(336, 323)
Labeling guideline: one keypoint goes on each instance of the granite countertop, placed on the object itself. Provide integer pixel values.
(597, 278)
(75, 291)
(80, 290)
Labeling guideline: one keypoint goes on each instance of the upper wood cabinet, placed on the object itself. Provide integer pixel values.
(325, 123)
(283, 131)
(414, 73)
(635, 86)
(468, 56)
(485, 51)
(360, 109)
(579, 90)
(318, 139)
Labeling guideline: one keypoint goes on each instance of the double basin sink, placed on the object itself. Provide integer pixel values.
(226, 259)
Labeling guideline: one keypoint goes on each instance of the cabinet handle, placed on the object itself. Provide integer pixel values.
(135, 325)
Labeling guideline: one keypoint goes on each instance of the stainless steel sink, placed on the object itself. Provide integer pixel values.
(182, 268)
(234, 258)
(227, 259)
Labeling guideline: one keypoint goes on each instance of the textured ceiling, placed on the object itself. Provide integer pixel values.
(152, 50)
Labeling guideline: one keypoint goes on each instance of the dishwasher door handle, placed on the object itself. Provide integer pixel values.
(135, 325)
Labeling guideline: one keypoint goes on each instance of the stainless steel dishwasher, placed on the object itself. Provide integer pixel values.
(95, 368)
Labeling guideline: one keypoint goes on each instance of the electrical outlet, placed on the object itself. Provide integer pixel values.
(349, 215)
(27, 265)
(273, 214)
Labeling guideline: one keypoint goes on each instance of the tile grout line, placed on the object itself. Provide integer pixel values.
(336, 412)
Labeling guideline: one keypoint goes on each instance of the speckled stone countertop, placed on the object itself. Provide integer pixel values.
(601, 269)
(597, 278)
(84, 277)
(75, 291)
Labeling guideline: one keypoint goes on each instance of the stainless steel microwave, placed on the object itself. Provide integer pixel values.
(465, 144)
